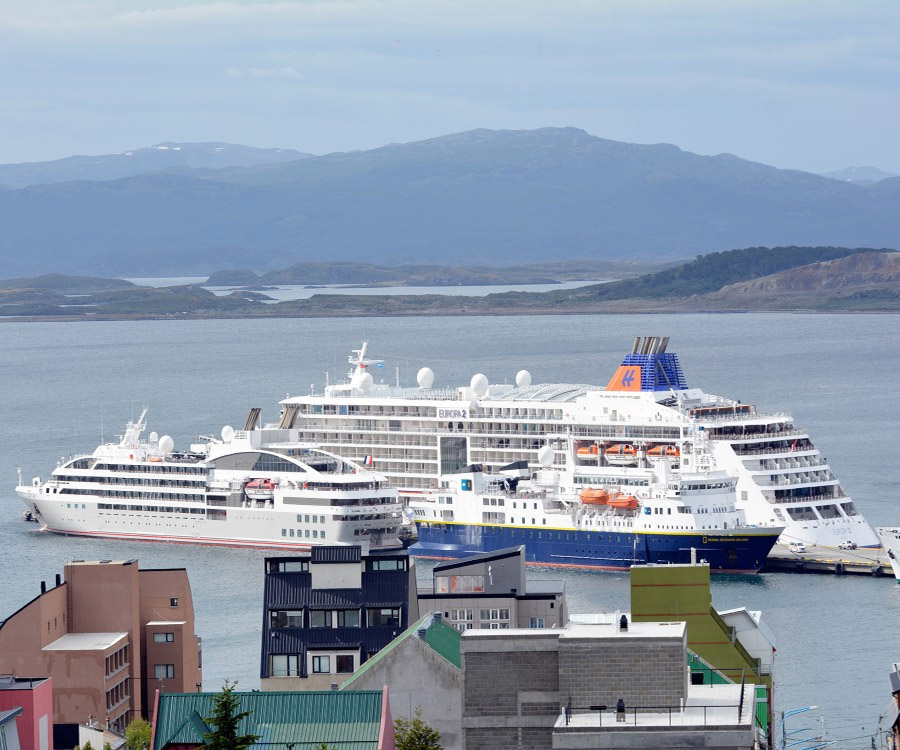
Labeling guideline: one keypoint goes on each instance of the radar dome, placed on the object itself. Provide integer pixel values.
(425, 378)
(545, 456)
(523, 378)
(479, 384)
(153, 438)
(362, 381)
(166, 444)
(227, 433)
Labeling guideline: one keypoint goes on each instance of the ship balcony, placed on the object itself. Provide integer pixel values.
(802, 463)
(755, 437)
(784, 451)
(789, 480)
(838, 494)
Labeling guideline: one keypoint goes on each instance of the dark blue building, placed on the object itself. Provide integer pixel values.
(327, 612)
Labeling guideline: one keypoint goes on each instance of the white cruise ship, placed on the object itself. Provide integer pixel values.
(601, 436)
(233, 492)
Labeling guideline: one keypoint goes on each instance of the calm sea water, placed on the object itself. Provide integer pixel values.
(66, 384)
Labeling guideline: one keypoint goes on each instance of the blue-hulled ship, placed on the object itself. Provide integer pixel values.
(667, 519)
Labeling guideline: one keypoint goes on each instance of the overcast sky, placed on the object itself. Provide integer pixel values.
(808, 85)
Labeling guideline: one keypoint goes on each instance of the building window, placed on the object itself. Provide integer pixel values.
(164, 637)
(348, 618)
(385, 564)
(537, 622)
(459, 584)
(289, 566)
(164, 671)
(380, 618)
(319, 618)
(286, 618)
(495, 614)
(322, 664)
(344, 663)
(173, 602)
(285, 665)
(462, 614)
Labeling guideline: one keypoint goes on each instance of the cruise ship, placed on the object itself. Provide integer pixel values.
(230, 491)
(671, 519)
(600, 436)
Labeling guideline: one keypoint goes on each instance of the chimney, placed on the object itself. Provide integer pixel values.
(58, 579)
(438, 617)
(43, 587)
(422, 633)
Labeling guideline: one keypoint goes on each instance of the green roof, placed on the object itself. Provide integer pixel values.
(303, 720)
(443, 639)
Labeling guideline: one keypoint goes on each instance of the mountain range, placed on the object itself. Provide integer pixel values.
(486, 198)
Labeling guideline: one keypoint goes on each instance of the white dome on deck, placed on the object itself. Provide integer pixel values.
(479, 384)
(425, 378)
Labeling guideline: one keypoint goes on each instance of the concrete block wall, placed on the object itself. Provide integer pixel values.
(510, 690)
(642, 672)
(493, 681)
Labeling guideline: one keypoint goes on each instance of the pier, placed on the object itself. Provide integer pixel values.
(864, 561)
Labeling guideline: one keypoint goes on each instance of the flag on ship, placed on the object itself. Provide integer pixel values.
(369, 461)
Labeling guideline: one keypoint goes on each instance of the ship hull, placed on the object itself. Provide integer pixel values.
(726, 552)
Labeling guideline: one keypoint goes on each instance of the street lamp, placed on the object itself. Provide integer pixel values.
(785, 715)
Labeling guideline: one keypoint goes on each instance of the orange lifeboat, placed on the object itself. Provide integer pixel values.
(594, 496)
(664, 451)
(624, 502)
(621, 454)
(589, 450)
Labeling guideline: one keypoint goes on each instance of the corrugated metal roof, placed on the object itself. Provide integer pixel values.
(329, 554)
(347, 721)
(545, 587)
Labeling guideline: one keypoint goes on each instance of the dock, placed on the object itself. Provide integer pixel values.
(864, 561)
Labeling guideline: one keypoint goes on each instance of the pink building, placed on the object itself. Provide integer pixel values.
(110, 635)
(35, 698)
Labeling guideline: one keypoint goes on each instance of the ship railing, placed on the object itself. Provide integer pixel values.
(752, 416)
(768, 464)
(752, 451)
(787, 481)
(839, 495)
(756, 435)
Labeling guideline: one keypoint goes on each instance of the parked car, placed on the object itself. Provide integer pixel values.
(798, 547)
(847, 544)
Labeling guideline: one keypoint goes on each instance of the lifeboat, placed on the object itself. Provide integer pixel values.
(588, 450)
(594, 496)
(623, 502)
(260, 489)
(155, 459)
(664, 451)
(621, 454)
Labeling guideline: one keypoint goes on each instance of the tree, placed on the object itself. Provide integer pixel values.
(225, 720)
(415, 734)
(107, 746)
(137, 735)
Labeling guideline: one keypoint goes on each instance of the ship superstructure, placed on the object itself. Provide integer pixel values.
(599, 436)
(229, 491)
(673, 518)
